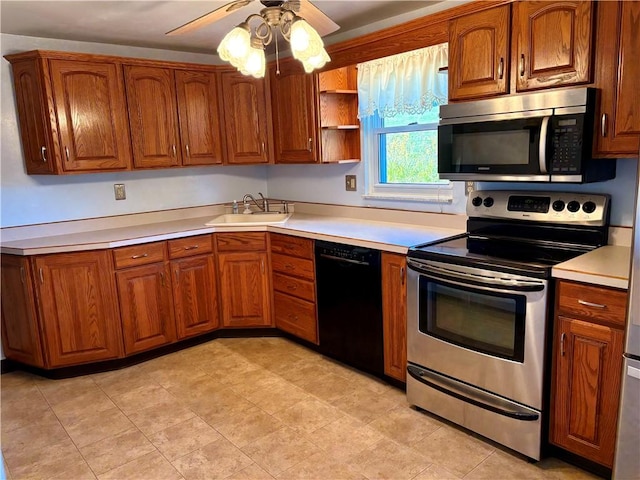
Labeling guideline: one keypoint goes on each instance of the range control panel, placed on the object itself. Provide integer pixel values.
(555, 207)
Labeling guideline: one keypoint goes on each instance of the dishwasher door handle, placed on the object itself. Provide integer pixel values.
(345, 260)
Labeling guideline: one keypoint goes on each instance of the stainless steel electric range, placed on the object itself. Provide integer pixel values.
(479, 310)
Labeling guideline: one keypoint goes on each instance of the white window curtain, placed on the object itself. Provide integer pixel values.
(403, 83)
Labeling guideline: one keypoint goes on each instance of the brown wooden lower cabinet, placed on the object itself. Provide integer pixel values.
(78, 307)
(394, 314)
(586, 379)
(20, 330)
(195, 295)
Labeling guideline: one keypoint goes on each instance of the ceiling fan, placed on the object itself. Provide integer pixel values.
(304, 8)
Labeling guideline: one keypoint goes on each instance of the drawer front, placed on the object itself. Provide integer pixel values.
(298, 267)
(288, 245)
(241, 242)
(296, 317)
(592, 302)
(124, 257)
(297, 287)
(189, 246)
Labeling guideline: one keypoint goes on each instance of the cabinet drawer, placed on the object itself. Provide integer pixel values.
(296, 316)
(288, 245)
(592, 303)
(299, 267)
(297, 287)
(241, 242)
(189, 246)
(124, 257)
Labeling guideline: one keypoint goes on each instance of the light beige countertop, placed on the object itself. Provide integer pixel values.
(607, 266)
(387, 236)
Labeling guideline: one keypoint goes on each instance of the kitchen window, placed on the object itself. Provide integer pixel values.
(399, 98)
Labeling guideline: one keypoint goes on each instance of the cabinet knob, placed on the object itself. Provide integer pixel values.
(603, 125)
(43, 150)
(522, 65)
(501, 68)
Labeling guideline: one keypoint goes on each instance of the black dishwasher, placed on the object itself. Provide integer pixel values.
(350, 305)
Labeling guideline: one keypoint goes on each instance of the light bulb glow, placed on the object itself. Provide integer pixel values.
(317, 61)
(254, 63)
(305, 41)
(235, 45)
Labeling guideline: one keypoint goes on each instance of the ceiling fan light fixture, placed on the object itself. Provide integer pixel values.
(235, 45)
(305, 41)
(255, 62)
(317, 61)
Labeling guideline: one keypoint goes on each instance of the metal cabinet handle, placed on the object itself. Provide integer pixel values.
(522, 65)
(310, 143)
(402, 275)
(262, 147)
(501, 68)
(562, 337)
(162, 278)
(289, 266)
(66, 151)
(186, 147)
(22, 276)
(144, 255)
(43, 150)
(191, 247)
(262, 266)
(292, 286)
(41, 276)
(603, 125)
(175, 152)
(590, 304)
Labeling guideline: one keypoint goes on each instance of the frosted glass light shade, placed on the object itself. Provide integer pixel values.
(317, 61)
(235, 45)
(305, 41)
(254, 63)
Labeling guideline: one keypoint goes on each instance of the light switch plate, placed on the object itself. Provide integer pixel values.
(350, 183)
(118, 188)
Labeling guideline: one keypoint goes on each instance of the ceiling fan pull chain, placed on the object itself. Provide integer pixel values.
(277, 59)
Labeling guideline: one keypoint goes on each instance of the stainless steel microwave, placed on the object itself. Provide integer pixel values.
(535, 137)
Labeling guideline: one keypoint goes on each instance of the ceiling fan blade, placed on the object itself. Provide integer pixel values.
(312, 14)
(209, 18)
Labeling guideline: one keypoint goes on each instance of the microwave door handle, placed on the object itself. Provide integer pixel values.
(542, 148)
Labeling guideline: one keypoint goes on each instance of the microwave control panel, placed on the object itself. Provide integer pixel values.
(566, 142)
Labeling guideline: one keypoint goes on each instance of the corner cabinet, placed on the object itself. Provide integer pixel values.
(54, 98)
(339, 124)
(587, 368)
(394, 315)
(244, 278)
(294, 110)
(245, 113)
(617, 126)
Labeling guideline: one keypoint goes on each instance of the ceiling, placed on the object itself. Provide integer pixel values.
(143, 23)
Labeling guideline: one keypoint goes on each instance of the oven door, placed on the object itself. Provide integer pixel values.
(482, 327)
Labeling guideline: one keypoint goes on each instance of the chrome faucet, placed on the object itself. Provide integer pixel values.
(248, 196)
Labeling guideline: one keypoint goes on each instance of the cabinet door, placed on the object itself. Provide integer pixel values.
(588, 363)
(35, 128)
(146, 307)
(78, 307)
(552, 43)
(92, 116)
(195, 295)
(20, 332)
(394, 314)
(153, 115)
(245, 289)
(479, 54)
(293, 104)
(245, 111)
(616, 75)
(199, 118)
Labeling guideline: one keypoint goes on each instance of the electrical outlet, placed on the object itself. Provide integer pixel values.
(118, 188)
(469, 187)
(350, 183)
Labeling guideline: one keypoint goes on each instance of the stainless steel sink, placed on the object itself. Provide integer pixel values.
(241, 219)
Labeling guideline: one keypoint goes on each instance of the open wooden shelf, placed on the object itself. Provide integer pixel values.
(341, 127)
(343, 91)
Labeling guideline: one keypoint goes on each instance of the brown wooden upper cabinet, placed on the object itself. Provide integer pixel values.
(245, 113)
(617, 128)
(550, 46)
(294, 108)
(72, 114)
(174, 117)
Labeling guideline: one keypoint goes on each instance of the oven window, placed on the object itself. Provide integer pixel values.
(487, 322)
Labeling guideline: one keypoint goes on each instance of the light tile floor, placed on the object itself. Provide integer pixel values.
(251, 408)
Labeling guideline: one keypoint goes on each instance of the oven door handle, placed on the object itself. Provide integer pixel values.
(472, 279)
(473, 396)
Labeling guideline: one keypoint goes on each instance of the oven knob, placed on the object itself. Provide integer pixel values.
(558, 205)
(476, 202)
(573, 206)
(488, 202)
(589, 207)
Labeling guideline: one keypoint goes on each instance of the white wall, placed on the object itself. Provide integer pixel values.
(28, 199)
